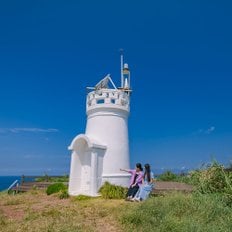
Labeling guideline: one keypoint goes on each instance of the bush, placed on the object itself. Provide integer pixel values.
(167, 176)
(110, 191)
(55, 188)
(63, 194)
(212, 179)
(170, 176)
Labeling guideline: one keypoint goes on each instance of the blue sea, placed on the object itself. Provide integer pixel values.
(6, 181)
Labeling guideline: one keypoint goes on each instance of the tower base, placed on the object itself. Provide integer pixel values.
(117, 179)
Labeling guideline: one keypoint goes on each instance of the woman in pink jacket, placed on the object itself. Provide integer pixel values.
(135, 181)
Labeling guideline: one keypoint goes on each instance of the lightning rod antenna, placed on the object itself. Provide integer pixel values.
(121, 58)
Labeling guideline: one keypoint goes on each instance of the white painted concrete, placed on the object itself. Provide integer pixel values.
(98, 155)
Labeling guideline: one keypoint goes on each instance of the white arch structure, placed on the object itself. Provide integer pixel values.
(86, 166)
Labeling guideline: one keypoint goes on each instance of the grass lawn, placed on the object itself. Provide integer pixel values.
(35, 211)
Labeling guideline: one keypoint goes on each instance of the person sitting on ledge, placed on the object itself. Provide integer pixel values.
(147, 185)
(136, 180)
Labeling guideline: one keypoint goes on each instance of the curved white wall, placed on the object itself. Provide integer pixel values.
(98, 155)
(107, 123)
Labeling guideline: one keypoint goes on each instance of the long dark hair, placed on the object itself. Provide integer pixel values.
(147, 172)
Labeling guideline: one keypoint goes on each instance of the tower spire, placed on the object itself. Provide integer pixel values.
(121, 61)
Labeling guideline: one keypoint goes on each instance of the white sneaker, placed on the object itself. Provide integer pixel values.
(128, 198)
(137, 200)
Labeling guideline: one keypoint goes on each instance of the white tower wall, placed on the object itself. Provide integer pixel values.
(107, 113)
(98, 155)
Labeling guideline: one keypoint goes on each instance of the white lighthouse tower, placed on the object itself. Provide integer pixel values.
(98, 155)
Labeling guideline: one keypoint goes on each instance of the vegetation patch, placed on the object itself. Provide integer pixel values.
(13, 201)
(82, 198)
(179, 212)
(212, 179)
(63, 194)
(110, 191)
(207, 209)
(55, 188)
(3, 220)
(168, 176)
(47, 178)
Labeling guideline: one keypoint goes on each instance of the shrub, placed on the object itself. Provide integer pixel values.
(213, 179)
(170, 176)
(63, 194)
(110, 191)
(55, 188)
(167, 176)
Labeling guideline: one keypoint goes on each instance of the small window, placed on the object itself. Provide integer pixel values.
(113, 101)
(101, 101)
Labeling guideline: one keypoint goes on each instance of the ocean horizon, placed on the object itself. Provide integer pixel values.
(6, 181)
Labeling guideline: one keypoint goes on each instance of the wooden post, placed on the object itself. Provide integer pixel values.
(22, 179)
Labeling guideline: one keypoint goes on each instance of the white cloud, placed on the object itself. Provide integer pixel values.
(30, 156)
(210, 130)
(206, 131)
(28, 129)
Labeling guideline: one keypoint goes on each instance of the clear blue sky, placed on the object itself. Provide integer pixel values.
(180, 56)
